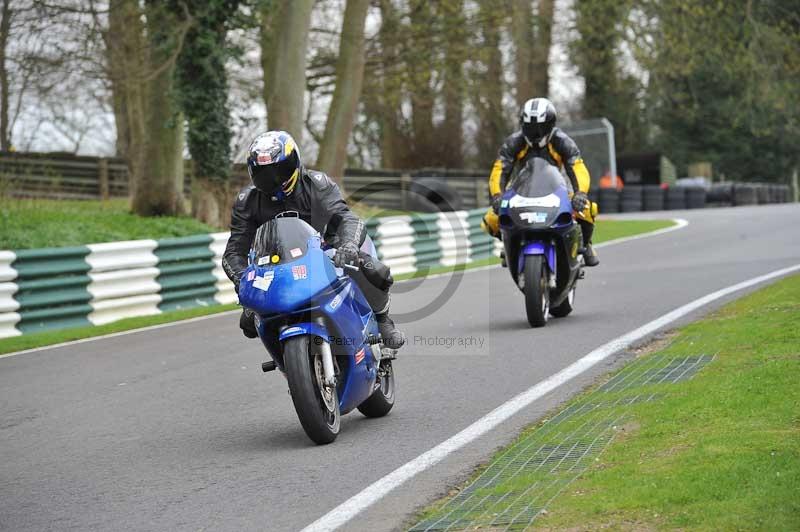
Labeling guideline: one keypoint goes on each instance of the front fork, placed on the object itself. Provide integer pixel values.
(548, 251)
(327, 358)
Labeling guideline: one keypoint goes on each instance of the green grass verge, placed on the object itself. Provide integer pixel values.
(37, 223)
(30, 341)
(606, 230)
(615, 229)
(721, 452)
(718, 452)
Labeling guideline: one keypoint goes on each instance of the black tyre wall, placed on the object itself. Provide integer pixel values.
(653, 198)
(695, 197)
(744, 194)
(608, 198)
(720, 194)
(762, 194)
(631, 199)
(676, 198)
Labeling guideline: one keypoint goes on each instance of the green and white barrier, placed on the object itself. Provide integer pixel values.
(9, 316)
(56, 288)
(413, 242)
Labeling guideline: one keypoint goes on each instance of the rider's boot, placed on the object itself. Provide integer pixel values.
(503, 262)
(392, 338)
(589, 255)
(247, 323)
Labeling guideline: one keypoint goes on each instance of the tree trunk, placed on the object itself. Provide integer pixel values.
(117, 69)
(269, 12)
(390, 97)
(211, 201)
(160, 188)
(451, 131)
(422, 95)
(491, 115)
(125, 53)
(522, 35)
(203, 90)
(5, 28)
(541, 54)
(349, 77)
(287, 74)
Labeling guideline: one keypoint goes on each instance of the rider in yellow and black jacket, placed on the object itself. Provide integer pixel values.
(538, 137)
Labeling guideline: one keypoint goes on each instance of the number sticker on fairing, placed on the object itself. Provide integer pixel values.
(534, 217)
(263, 283)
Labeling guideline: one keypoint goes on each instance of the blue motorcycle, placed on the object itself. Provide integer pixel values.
(542, 240)
(317, 327)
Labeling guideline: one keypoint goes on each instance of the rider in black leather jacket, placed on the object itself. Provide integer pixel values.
(280, 184)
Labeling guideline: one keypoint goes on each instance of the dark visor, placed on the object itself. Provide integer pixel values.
(269, 177)
(536, 131)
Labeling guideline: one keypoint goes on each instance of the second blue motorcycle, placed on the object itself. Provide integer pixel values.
(542, 240)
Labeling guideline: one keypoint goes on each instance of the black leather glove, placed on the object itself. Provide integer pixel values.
(346, 254)
(580, 201)
(496, 203)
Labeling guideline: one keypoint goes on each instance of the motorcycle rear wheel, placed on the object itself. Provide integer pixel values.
(317, 407)
(537, 292)
(382, 399)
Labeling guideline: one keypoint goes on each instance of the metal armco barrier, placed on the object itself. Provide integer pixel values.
(58, 288)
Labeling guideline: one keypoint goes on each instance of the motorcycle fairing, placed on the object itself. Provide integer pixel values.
(303, 328)
(284, 288)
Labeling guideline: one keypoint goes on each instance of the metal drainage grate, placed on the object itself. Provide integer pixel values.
(511, 493)
(660, 370)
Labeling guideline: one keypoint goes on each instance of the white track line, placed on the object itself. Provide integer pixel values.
(378, 489)
(679, 224)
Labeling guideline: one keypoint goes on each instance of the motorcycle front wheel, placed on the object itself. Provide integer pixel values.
(537, 292)
(316, 405)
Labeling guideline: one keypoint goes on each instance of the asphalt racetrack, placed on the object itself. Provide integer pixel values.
(177, 428)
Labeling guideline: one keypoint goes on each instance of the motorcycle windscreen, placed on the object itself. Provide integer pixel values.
(281, 240)
(538, 178)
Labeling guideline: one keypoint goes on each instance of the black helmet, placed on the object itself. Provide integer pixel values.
(537, 118)
(274, 164)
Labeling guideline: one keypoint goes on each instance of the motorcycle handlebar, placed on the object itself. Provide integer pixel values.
(353, 267)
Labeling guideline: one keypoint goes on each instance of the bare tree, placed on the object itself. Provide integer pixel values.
(541, 52)
(522, 35)
(160, 188)
(349, 77)
(288, 24)
(451, 130)
(420, 71)
(492, 121)
(532, 37)
(5, 27)
(126, 72)
(386, 89)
